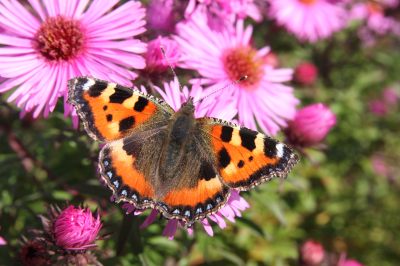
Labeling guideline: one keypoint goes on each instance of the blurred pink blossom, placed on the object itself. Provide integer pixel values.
(390, 96)
(309, 20)
(223, 109)
(46, 44)
(223, 58)
(310, 125)
(155, 60)
(221, 13)
(373, 13)
(349, 262)
(378, 107)
(160, 16)
(2, 241)
(379, 165)
(306, 74)
(76, 228)
(312, 253)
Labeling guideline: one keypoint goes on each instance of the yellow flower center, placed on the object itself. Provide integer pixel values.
(243, 61)
(59, 38)
(308, 2)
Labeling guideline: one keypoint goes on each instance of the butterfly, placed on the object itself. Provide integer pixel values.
(154, 157)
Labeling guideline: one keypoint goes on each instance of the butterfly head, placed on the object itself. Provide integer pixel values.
(188, 106)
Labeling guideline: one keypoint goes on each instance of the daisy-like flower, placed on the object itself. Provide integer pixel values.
(309, 20)
(224, 109)
(376, 22)
(223, 58)
(45, 43)
(220, 13)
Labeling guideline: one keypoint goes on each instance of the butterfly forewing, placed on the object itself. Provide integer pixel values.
(110, 111)
(246, 158)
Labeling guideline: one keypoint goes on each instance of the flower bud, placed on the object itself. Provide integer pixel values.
(312, 253)
(306, 74)
(155, 60)
(76, 228)
(310, 125)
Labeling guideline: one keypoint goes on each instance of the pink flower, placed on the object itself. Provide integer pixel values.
(390, 96)
(76, 229)
(2, 241)
(221, 13)
(379, 165)
(312, 253)
(223, 58)
(349, 262)
(306, 73)
(155, 60)
(46, 44)
(309, 20)
(378, 107)
(272, 59)
(223, 109)
(373, 13)
(160, 15)
(311, 125)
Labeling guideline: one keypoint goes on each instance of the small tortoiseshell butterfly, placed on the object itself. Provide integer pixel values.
(155, 157)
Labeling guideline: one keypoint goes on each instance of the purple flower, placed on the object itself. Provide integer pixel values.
(155, 60)
(223, 109)
(310, 125)
(46, 44)
(220, 13)
(160, 15)
(312, 253)
(76, 229)
(309, 20)
(223, 58)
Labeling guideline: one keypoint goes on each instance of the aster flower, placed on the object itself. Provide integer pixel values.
(309, 20)
(312, 253)
(2, 241)
(310, 125)
(223, 58)
(155, 60)
(46, 44)
(373, 13)
(221, 13)
(208, 107)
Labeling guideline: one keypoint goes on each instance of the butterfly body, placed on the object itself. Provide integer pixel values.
(181, 165)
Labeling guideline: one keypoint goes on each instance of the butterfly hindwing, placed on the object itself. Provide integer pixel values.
(246, 158)
(129, 166)
(110, 111)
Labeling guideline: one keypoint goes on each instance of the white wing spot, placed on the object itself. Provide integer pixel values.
(279, 150)
(88, 84)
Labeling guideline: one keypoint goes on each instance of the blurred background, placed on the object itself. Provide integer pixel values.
(339, 205)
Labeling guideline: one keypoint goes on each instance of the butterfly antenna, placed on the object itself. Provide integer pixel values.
(243, 78)
(170, 67)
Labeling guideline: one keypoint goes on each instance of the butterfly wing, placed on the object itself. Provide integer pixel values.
(129, 166)
(246, 158)
(110, 111)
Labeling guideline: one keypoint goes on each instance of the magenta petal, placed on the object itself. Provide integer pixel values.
(170, 229)
(149, 219)
(207, 227)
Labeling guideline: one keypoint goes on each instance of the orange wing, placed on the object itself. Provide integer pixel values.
(110, 111)
(117, 168)
(246, 158)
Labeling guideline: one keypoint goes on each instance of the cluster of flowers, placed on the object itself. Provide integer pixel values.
(312, 253)
(46, 43)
